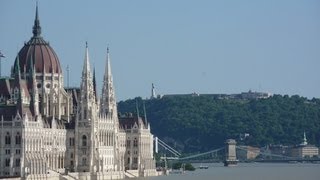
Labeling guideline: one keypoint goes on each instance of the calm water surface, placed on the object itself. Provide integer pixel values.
(250, 171)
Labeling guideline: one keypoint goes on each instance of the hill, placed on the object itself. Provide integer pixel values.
(200, 123)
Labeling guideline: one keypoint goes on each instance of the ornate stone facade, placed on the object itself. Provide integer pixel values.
(48, 131)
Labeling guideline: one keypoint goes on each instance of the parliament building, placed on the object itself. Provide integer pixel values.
(52, 132)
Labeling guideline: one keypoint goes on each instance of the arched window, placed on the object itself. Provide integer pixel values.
(84, 114)
(84, 140)
(8, 139)
(135, 142)
(18, 138)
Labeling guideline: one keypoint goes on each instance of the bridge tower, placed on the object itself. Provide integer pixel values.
(231, 155)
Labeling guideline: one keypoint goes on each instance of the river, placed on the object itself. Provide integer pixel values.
(249, 171)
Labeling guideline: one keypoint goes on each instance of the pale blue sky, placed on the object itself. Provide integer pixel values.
(181, 46)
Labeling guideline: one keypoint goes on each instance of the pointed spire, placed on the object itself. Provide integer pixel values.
(108, 68)
(108, 101)
(87, 97)
(94, 83)
(36, 27)
(86, 65)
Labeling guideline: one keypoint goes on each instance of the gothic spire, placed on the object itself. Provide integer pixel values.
(108, 101)
(108, 66)
(86, 89)
(95, 83)
(36, 27)
(86, 65)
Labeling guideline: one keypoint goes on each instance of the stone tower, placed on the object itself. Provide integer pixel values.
(231, 154)
(109, 122)
(86, 120)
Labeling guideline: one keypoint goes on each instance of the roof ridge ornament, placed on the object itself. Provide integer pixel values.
(36, 30)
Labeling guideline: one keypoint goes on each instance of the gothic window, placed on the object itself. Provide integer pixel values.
(7, 162)
(18, 162)
(84, 114)
(16, 93)
(18, 138)
(135, 160)
(135, 142)
(71, 141)
(84, 161)
(7, 151)
(71, 155)
(7, 139)
(59, 162)
(18, 151)
(71, 163)
(128, 160)
(84, 140)
(128, 143)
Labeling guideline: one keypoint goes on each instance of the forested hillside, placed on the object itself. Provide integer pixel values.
(200, 123)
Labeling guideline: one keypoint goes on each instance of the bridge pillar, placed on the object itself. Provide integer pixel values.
(231, 155)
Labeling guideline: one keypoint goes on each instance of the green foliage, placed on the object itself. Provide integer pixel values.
(176, 165)
(189, 167)
(202, 123)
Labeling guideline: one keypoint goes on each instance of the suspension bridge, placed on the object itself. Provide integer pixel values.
(227, 154)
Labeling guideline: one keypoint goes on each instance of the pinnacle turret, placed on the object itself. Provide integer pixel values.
(36, 27)
(87, 90)
(108, 101)
(86, 64)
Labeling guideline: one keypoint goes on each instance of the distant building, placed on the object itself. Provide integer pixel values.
(139, 144)
(248, 152)
(279, 150)
(255, 95)
(304, 150)
(242, 96)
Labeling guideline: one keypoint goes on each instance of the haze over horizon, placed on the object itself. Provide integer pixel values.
(216, 47)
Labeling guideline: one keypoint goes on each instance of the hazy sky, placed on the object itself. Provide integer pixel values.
(181, 46)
